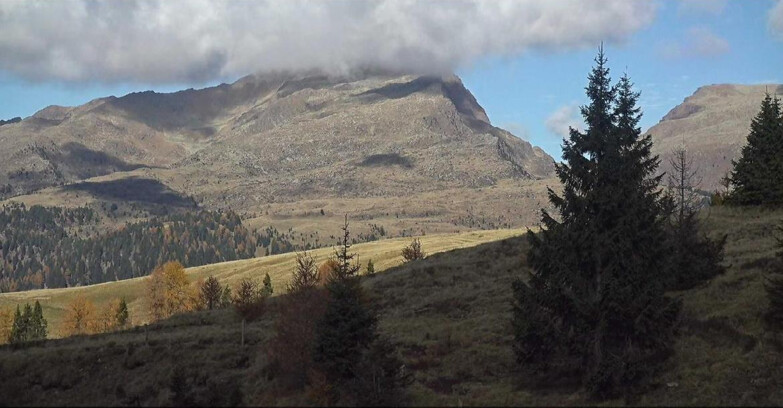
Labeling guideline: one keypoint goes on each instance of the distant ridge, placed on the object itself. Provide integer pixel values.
(713, 124)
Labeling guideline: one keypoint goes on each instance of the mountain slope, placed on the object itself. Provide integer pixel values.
(281, 138)
(713, 124)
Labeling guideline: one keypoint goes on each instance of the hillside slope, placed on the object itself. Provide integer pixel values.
(269, 143)
(384, 253)
(713, 124)
(450, 316)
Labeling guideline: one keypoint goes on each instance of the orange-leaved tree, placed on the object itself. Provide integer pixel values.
(80, 317)
(326, 270)
(6, 323)
(168, 291)
(112, 317)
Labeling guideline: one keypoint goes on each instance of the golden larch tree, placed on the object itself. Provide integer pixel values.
(80, 317)
(168, 291)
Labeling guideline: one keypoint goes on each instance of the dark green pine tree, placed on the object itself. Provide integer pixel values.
(121, 314)
(38, 329)
(594, 307)
(19, 328)
(348, 326)
(267, 290)
(757, 177)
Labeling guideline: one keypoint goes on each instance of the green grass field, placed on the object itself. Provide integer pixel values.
(449, 315)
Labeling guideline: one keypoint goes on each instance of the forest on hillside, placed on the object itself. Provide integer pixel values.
(49, 247)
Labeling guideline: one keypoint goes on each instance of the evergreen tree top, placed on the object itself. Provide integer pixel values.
(756, 176)
(346, 268)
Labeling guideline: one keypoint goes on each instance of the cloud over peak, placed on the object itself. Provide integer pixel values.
(193, 40)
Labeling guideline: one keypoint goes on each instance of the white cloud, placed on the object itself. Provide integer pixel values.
(714, 7)
(565, 117)
(776, 18)
(191, 40)
(700, 42)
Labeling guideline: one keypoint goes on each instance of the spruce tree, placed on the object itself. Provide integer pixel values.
(27, 322)
(121, 314)
(19, 329)
(267, 290)
(594, 306)
(38, 324)
(370, 268)
(348, 326)
(757, 177)
(305, 277)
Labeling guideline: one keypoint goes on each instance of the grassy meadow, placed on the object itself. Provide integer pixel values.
(384, 254)
(450, 316)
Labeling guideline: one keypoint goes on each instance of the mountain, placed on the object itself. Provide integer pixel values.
(713, 124)
(283, 145)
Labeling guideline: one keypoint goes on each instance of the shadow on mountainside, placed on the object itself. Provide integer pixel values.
(84, 162)
(142, 190)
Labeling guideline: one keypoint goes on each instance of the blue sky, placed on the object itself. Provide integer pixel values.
(533, 89)
(521, 93)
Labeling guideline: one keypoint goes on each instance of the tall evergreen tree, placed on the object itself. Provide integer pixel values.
(38, 325)
(348, 326)
(27, 321)
(19, 328)
(757, 177)
(267, 288)
(594, 305)
(348, 350)
(121, 314)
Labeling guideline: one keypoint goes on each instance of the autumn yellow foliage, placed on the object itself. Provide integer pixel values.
(169, 292)
(6, 323)
(80, 317)
(326, 269)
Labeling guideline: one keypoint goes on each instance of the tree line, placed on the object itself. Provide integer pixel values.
(27, 324)
(42, 247)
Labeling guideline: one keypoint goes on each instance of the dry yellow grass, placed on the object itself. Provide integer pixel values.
(384, 254)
